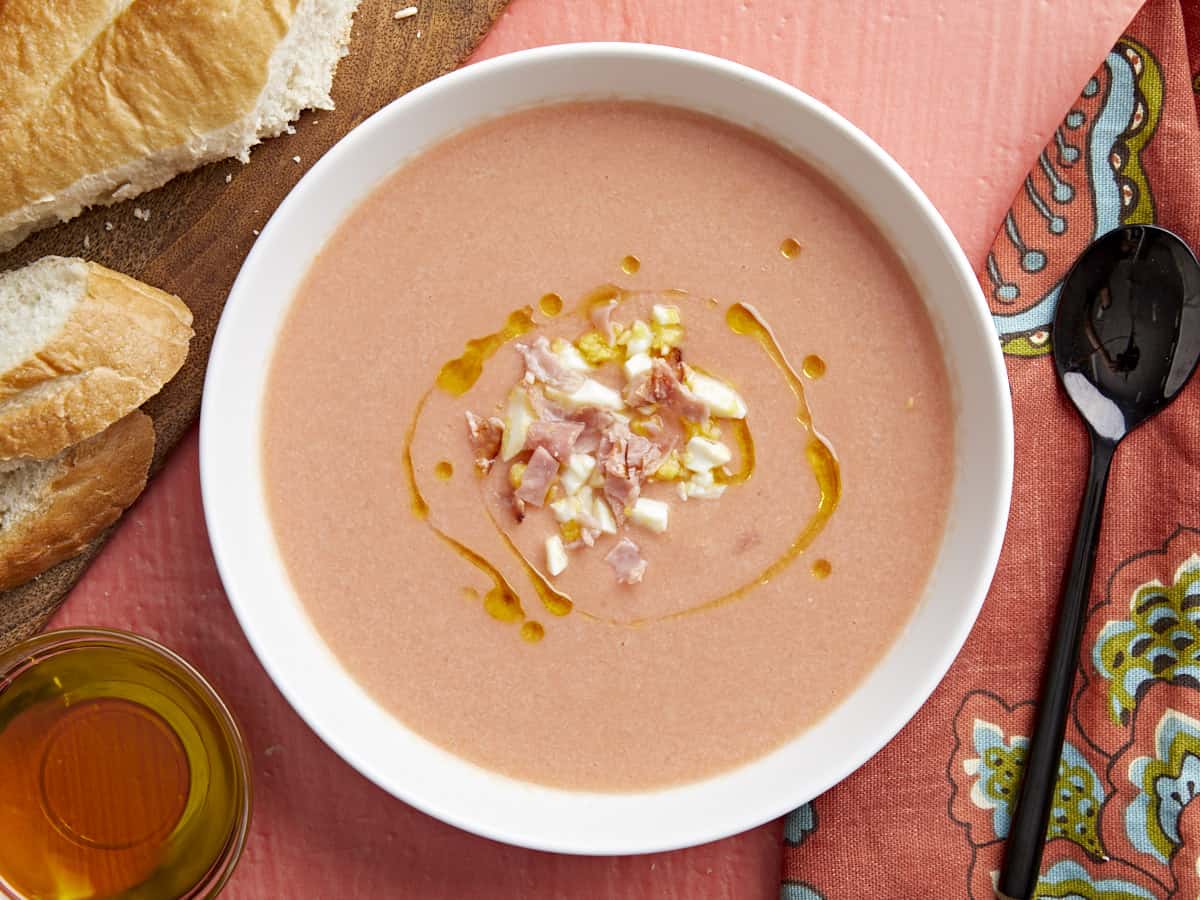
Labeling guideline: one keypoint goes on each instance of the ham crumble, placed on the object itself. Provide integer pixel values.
(574, 441)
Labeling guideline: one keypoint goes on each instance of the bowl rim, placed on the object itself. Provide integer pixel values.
(723, 822)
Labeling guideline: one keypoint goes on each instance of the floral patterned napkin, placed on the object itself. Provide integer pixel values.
(927, 817)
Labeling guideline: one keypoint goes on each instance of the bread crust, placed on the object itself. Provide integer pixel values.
(95, 482)
(122, 342)
(100, 84)
(103, 101)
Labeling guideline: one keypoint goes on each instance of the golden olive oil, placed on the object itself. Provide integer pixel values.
(121, 776)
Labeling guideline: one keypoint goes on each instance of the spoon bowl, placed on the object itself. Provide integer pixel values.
(1126, 334)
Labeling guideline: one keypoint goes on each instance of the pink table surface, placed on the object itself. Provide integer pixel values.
(963, 93)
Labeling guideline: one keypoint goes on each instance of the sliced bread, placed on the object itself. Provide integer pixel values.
(80, 347)
(51, 509)
(102, 101)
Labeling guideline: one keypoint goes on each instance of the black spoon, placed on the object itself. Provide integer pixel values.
(1126, 337)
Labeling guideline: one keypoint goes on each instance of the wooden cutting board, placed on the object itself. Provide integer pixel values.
(201, 226)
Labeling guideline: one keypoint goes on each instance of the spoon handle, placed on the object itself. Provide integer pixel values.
(1026, 837)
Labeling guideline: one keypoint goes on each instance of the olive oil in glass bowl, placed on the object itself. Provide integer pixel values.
(122, 773)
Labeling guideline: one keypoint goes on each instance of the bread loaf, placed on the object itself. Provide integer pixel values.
(101, 100)
(51, 509)
(81, 346)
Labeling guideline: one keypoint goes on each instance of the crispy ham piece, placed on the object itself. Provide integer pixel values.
(621, 492)
(643, 455)
(557, 438)
(626, 460)
(601, 316)
(661, 387)
(674, 360)
(486, 435)
(535, 480)
(593, 419)
(626, 560)
(595, 422)
(621, 488)
(546, 367)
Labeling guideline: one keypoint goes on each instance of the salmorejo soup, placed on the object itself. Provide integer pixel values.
(608, 445)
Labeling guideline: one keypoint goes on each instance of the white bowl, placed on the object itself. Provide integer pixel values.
(343, 714)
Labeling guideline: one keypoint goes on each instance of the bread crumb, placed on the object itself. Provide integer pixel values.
(290, 129)
(418, 34)
(405, 13)
(108, 226)
(295, 159)
(256, 231)
(142, 214)
(87, 242)
(228, 178)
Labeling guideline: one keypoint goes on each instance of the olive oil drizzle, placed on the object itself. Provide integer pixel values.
(555, 602)
(745, 444)
(601, 296)
(550, 305)
(419, 507)
(813, 366)
(744, 320)
(460, 374)
(502, 602)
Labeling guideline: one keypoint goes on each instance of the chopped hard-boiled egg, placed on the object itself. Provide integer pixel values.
(666, 337)
(579, 470)
(636, 365)
(603, 516)
(569, 355)
(651, 514)
(669, 469)
(637, 338)
(595, 349)
(576, 506)
(709, 429)
(649, 426)
(556, 555)
(590, 393)
(566, 509)
(515, 473)
(597, 477)
(665, 315)
(719, 397)
(702, 486)
(703, 455)
(518, 415)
